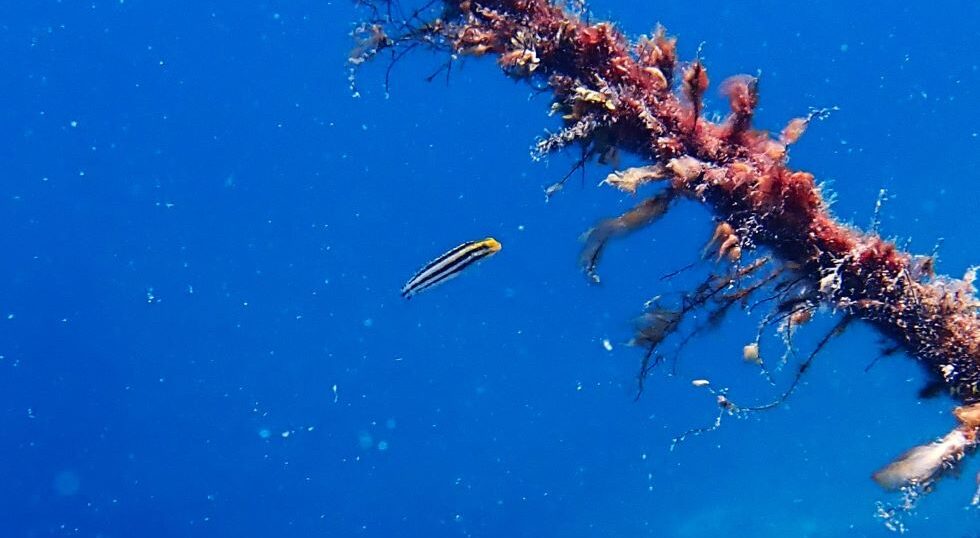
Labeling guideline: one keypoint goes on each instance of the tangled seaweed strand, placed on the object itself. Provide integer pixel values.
(635, 96)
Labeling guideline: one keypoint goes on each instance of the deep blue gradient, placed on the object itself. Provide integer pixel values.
(204, 236)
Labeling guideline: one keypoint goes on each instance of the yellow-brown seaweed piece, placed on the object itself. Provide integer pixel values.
(644, 213)
(631, 179)
(924, 464)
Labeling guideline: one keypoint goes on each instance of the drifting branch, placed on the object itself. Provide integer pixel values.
(616, 94)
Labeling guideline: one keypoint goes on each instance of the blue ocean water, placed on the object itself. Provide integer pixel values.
(205, 235)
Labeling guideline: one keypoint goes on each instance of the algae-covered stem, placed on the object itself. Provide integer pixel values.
(616, 94)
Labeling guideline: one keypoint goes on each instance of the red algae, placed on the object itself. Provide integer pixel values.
(614, 94)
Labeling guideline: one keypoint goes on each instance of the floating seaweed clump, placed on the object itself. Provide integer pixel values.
(782, 245)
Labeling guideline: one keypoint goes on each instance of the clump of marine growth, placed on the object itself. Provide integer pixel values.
(774, 228)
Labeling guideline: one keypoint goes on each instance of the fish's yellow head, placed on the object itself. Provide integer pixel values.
(492, 244)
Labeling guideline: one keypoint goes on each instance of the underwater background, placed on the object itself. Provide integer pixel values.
(205, 234)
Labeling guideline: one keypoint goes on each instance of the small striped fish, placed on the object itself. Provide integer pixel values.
(450, 264)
